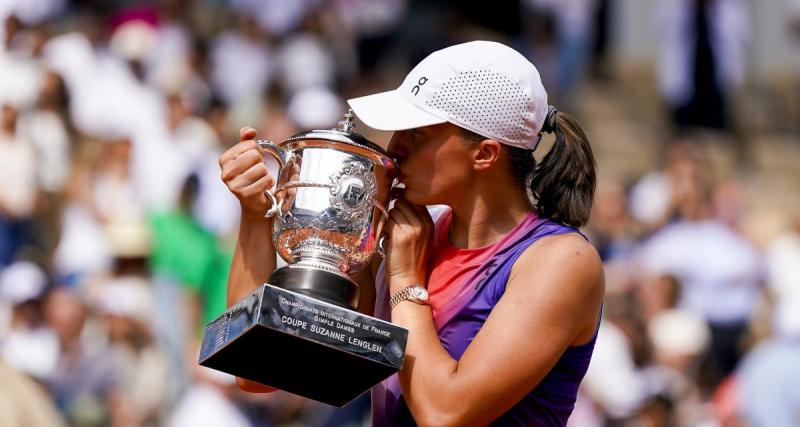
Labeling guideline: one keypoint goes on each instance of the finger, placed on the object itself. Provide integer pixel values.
(407, 209)
(239, 165)
(259, 187)
(421, 211)
(392, 227)
(246, 133)
(237, 150)
(399, 216)
(250, 176)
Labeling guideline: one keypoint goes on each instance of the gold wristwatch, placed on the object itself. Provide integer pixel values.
(414, 293)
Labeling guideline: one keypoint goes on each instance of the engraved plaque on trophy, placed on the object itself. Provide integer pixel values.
(300, 332)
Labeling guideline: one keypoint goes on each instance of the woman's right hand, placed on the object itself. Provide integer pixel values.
(246, 174)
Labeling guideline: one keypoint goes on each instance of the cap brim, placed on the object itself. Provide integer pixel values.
(390, 111)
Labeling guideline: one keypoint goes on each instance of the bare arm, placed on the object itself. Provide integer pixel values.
(365, 279)
(247, 177)
(253, 258)
(552, 301)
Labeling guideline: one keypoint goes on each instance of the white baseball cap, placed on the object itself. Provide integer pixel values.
(482, 86)
(22, 281)
(677, 333)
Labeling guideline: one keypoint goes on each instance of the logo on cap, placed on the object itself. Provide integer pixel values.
(420, 82)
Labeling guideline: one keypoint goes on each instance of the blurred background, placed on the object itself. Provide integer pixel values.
(116, 232)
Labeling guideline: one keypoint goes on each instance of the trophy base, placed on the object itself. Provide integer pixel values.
(317, 284)
(304, 346)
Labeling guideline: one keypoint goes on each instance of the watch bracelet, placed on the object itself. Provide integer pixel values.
(403, 295)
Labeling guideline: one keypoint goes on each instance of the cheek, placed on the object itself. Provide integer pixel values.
(436, 180)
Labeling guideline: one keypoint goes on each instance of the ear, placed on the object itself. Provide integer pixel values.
(486, 154)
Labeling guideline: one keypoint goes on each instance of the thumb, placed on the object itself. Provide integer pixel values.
(246, 133)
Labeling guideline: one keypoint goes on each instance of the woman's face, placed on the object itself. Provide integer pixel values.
(435, 163)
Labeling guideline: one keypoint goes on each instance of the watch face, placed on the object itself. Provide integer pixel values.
(420, 293)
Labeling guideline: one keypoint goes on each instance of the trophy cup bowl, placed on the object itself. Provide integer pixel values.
(329, 205)
(299, 332)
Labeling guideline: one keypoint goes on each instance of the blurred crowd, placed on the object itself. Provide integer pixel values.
(116, 232)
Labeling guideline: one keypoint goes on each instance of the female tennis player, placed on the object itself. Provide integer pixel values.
(500, 292)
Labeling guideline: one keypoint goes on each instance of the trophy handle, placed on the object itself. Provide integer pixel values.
(381, 245)
(273, 210)
(279, 154)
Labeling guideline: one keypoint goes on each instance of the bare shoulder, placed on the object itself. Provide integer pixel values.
(564, 248)
(563, 251)
(566, 269)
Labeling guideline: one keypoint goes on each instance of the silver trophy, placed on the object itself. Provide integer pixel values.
(299, 332)
(329, 205)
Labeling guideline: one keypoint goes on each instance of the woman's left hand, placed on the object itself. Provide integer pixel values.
(410, 229)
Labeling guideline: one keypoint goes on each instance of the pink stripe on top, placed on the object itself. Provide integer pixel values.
(453, 271)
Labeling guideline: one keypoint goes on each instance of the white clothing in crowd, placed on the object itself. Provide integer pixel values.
(107, 101)
(115, 198)
(241, 68)
(613, 379)
(677, 333)
(782, 255)
(650, 198)
(166, 63)
(50, 139)
(204, 405)
(768, 375)
(305, 62)
(169, 67)
(730, 34)
(22, 281)
(82, 247)
(768, 382)
(572, 16)
(275, 16)
(20, 79)
(72, 56)
(33, 350)
(18, 176)
(31, 11)
(719, 271)
(315, 108)
(163, 159)
(370, 17)
(216, 208)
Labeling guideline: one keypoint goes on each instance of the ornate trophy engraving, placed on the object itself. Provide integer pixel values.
(299, 332)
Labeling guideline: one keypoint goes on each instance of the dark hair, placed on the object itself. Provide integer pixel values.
(561, 185)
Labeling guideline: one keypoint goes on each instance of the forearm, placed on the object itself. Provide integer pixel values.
(429, 375)
(253, 262)
(253, 258)
(365, 279)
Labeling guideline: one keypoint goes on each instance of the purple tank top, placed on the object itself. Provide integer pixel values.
(464, 309)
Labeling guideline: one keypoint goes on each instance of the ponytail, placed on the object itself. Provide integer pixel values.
(561, 186)
(563, 183)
